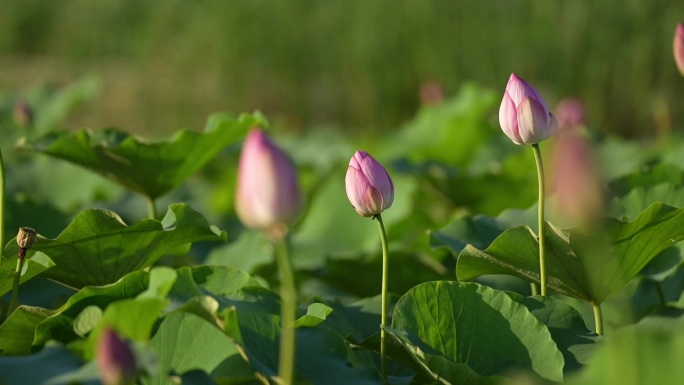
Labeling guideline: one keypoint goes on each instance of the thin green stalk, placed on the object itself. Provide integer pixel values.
(533, 288)
(151, 210)
(2, 217)
(2, 206)
(288, 294)
(542, 257)
(383, 316)
(15, 286)
(598, 318)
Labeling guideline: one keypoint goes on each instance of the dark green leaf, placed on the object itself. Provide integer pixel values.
(50, 362)
(151, 169)
(567, 329)
(16, 333)
(480, 231)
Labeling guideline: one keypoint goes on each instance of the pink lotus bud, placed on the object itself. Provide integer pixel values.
(431, 93)
(576, 179)
(267, 189)
(570, 113)
(23, 116)
(523, 115)
(369, 188)
(115, 360)
(678, 47)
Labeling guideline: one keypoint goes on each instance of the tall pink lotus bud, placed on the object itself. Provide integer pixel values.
(523, 115)
(369, 187)
(678, 47)
(267, 196)
(570, 112)
(576, 179)
(115, 360)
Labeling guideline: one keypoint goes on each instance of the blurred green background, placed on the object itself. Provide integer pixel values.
(356, 64)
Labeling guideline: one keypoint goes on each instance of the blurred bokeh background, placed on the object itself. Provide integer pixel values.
(153, 67)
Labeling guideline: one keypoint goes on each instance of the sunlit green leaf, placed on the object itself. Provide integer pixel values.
(461, 332)
(646, 353)
(150, 168)
(315, 314)
(35, 264)
(581, 266)
(60, 325)
(186, 342)
(98, 248)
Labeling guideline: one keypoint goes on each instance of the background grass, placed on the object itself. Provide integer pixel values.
(358, 64)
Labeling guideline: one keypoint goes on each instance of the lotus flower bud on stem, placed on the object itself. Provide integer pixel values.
(523, 115)
(369, 188)
(570, 112)
(268, 195)
(576, 180)
(115, 360)
(678, 47)
(23, 115)
(25, 239)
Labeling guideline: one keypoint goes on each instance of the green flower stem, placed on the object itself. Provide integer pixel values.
(288, 295)
(383, 316)
(598, 318)
(542, 258)
(533, 288)
(15, 286)
(2, 206)
(151, 210)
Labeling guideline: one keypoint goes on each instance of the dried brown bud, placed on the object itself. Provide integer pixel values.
(25, 239)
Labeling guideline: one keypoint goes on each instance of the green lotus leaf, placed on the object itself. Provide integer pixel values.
(150, 168)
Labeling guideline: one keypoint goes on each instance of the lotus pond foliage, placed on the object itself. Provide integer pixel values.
(233, 256)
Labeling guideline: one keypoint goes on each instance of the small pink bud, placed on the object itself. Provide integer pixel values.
(576, 180)
(115, 360)
(431, 93)
(267, 194)
(523, 115)
(570, 113)
(369, 188)
(678, 47)
(23, 116)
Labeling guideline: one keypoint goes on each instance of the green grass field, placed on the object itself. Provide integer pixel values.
(163, 65)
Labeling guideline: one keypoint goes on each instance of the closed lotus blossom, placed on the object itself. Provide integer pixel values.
(576, 180)
(570, 112)
(268, 193)
(523, 115)
(369, 188)
(115, 360)
(678, 47)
